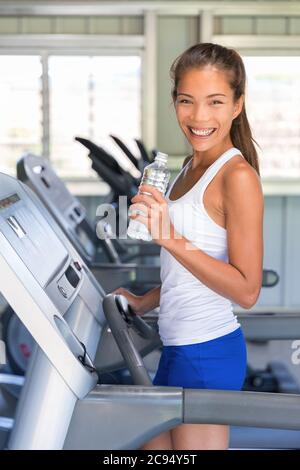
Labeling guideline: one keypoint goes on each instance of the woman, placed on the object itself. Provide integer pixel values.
(213, 253)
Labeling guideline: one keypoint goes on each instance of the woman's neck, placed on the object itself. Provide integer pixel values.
(202, 160)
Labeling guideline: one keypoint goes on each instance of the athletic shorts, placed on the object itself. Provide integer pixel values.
(219, 364)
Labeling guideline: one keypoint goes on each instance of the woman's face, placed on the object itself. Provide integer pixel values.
(205, 107)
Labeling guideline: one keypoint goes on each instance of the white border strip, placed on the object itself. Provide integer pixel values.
(136, 8)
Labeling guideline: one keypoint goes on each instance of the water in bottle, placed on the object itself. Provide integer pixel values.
(156, 174)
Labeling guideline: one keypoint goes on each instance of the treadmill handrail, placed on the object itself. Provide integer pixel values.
(168, 407)
(265, 410)
(120, 331)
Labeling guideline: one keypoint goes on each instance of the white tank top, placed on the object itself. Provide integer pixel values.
(190, 312)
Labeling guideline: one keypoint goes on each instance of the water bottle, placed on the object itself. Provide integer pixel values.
(156, 174)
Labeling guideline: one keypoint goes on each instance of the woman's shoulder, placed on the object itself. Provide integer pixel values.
(239, 175)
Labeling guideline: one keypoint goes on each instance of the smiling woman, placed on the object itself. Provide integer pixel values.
(211, 98)
(202, 133)
(214, 253)
(214, 110)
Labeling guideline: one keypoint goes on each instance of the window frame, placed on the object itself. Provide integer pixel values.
(267, 45)
(45, 46)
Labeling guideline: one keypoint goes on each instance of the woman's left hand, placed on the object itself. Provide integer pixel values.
(156, 213)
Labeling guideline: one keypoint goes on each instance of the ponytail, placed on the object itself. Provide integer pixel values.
(242, 139)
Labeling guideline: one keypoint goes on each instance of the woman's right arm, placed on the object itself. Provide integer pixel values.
(141, 304)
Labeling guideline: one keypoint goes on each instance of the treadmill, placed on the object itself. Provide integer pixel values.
(99, 253)
(62, 405)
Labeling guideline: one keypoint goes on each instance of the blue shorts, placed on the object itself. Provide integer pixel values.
(219, 364)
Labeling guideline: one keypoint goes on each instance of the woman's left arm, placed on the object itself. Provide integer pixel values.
(240, 279)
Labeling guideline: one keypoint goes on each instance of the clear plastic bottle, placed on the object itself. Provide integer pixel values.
(156, 174)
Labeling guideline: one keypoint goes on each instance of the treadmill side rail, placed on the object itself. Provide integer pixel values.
(123, 417)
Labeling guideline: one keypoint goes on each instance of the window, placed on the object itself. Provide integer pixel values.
(21, 109)
(87, 96)
(91, 97)
(273, 108)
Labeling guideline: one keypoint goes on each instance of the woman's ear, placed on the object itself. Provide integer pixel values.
(238, 106)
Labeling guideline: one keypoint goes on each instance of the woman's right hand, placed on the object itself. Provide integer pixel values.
(135, 301)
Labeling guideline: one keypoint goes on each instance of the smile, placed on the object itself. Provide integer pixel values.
(202, 132)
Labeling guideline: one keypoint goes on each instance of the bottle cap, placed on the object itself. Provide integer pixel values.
(163, 157)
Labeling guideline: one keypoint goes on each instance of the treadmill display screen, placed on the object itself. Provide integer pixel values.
(9, 201)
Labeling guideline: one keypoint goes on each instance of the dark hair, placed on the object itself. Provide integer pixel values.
(231, 62)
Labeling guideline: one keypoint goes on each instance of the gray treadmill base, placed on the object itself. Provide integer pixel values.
(260, 438)
(240, 438)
